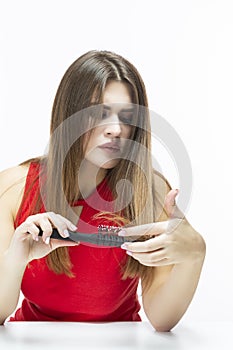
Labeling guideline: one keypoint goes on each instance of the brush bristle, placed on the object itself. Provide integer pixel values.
(106, 229)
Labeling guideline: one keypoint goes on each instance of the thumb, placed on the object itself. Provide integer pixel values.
(170, 203)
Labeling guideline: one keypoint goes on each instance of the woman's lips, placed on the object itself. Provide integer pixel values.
(110, 147)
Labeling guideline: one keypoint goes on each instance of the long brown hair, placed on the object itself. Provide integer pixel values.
(87, 78)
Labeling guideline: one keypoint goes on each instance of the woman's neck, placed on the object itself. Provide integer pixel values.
(89, 178)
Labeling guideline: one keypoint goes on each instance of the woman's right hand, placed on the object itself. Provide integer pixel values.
(27, 245)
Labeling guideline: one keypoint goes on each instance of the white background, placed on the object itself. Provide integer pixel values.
(183, 50)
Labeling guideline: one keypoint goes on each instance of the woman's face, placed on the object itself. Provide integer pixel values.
(106, 142)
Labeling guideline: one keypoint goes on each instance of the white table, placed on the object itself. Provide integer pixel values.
(117, 335)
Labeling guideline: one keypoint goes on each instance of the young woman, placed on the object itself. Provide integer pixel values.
(97, 171)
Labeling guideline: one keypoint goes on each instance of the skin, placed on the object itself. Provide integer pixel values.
(178, 252)
(176, 249)
(111, 129)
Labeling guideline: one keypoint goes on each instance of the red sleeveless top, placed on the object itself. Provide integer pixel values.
(96, 293)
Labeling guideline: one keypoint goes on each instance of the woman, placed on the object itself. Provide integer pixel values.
(97, 171)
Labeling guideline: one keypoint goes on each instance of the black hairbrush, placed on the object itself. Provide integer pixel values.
(105, 237)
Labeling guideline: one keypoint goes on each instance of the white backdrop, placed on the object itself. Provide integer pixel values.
(183, 49)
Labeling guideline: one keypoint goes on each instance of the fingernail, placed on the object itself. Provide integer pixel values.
(121, 233)
(47, 240)
(73, 227)
(124, 246)
(129, 253)
(66, 233)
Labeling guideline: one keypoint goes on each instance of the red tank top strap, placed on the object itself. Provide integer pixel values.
(30, 194)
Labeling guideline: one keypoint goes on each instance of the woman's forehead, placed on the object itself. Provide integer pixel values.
(117, 92)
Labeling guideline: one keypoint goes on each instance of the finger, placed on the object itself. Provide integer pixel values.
(69, 224)
(27, 227)
(59, 222)
(47, 229)
(151, 229)
(170, 202)
(34, 231)
(163, 262)
(150, 245)
(170, 205)
(150, 259)
(55, 243)
(43, 222)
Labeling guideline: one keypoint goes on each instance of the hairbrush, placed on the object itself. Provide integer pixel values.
(107, 236)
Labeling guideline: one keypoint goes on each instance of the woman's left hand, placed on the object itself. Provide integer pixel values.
(174, 241)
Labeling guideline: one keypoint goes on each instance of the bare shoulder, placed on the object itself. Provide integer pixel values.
(162, 185)
(12, 174)
(12, 183)
(9, 178)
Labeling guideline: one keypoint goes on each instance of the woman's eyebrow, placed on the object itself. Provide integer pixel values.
(130, 109)
(106, 107)
(127, 109)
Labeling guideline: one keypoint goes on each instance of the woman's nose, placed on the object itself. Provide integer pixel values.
(113, 127)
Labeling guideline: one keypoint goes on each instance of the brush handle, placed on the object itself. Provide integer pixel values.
(93, 239)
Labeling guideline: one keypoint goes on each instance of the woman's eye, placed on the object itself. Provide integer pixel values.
(126, 117)
(105, 114)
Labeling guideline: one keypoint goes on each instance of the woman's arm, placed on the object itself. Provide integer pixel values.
(173, 287)
(21, 245)
(12, 182)
(177, 252)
